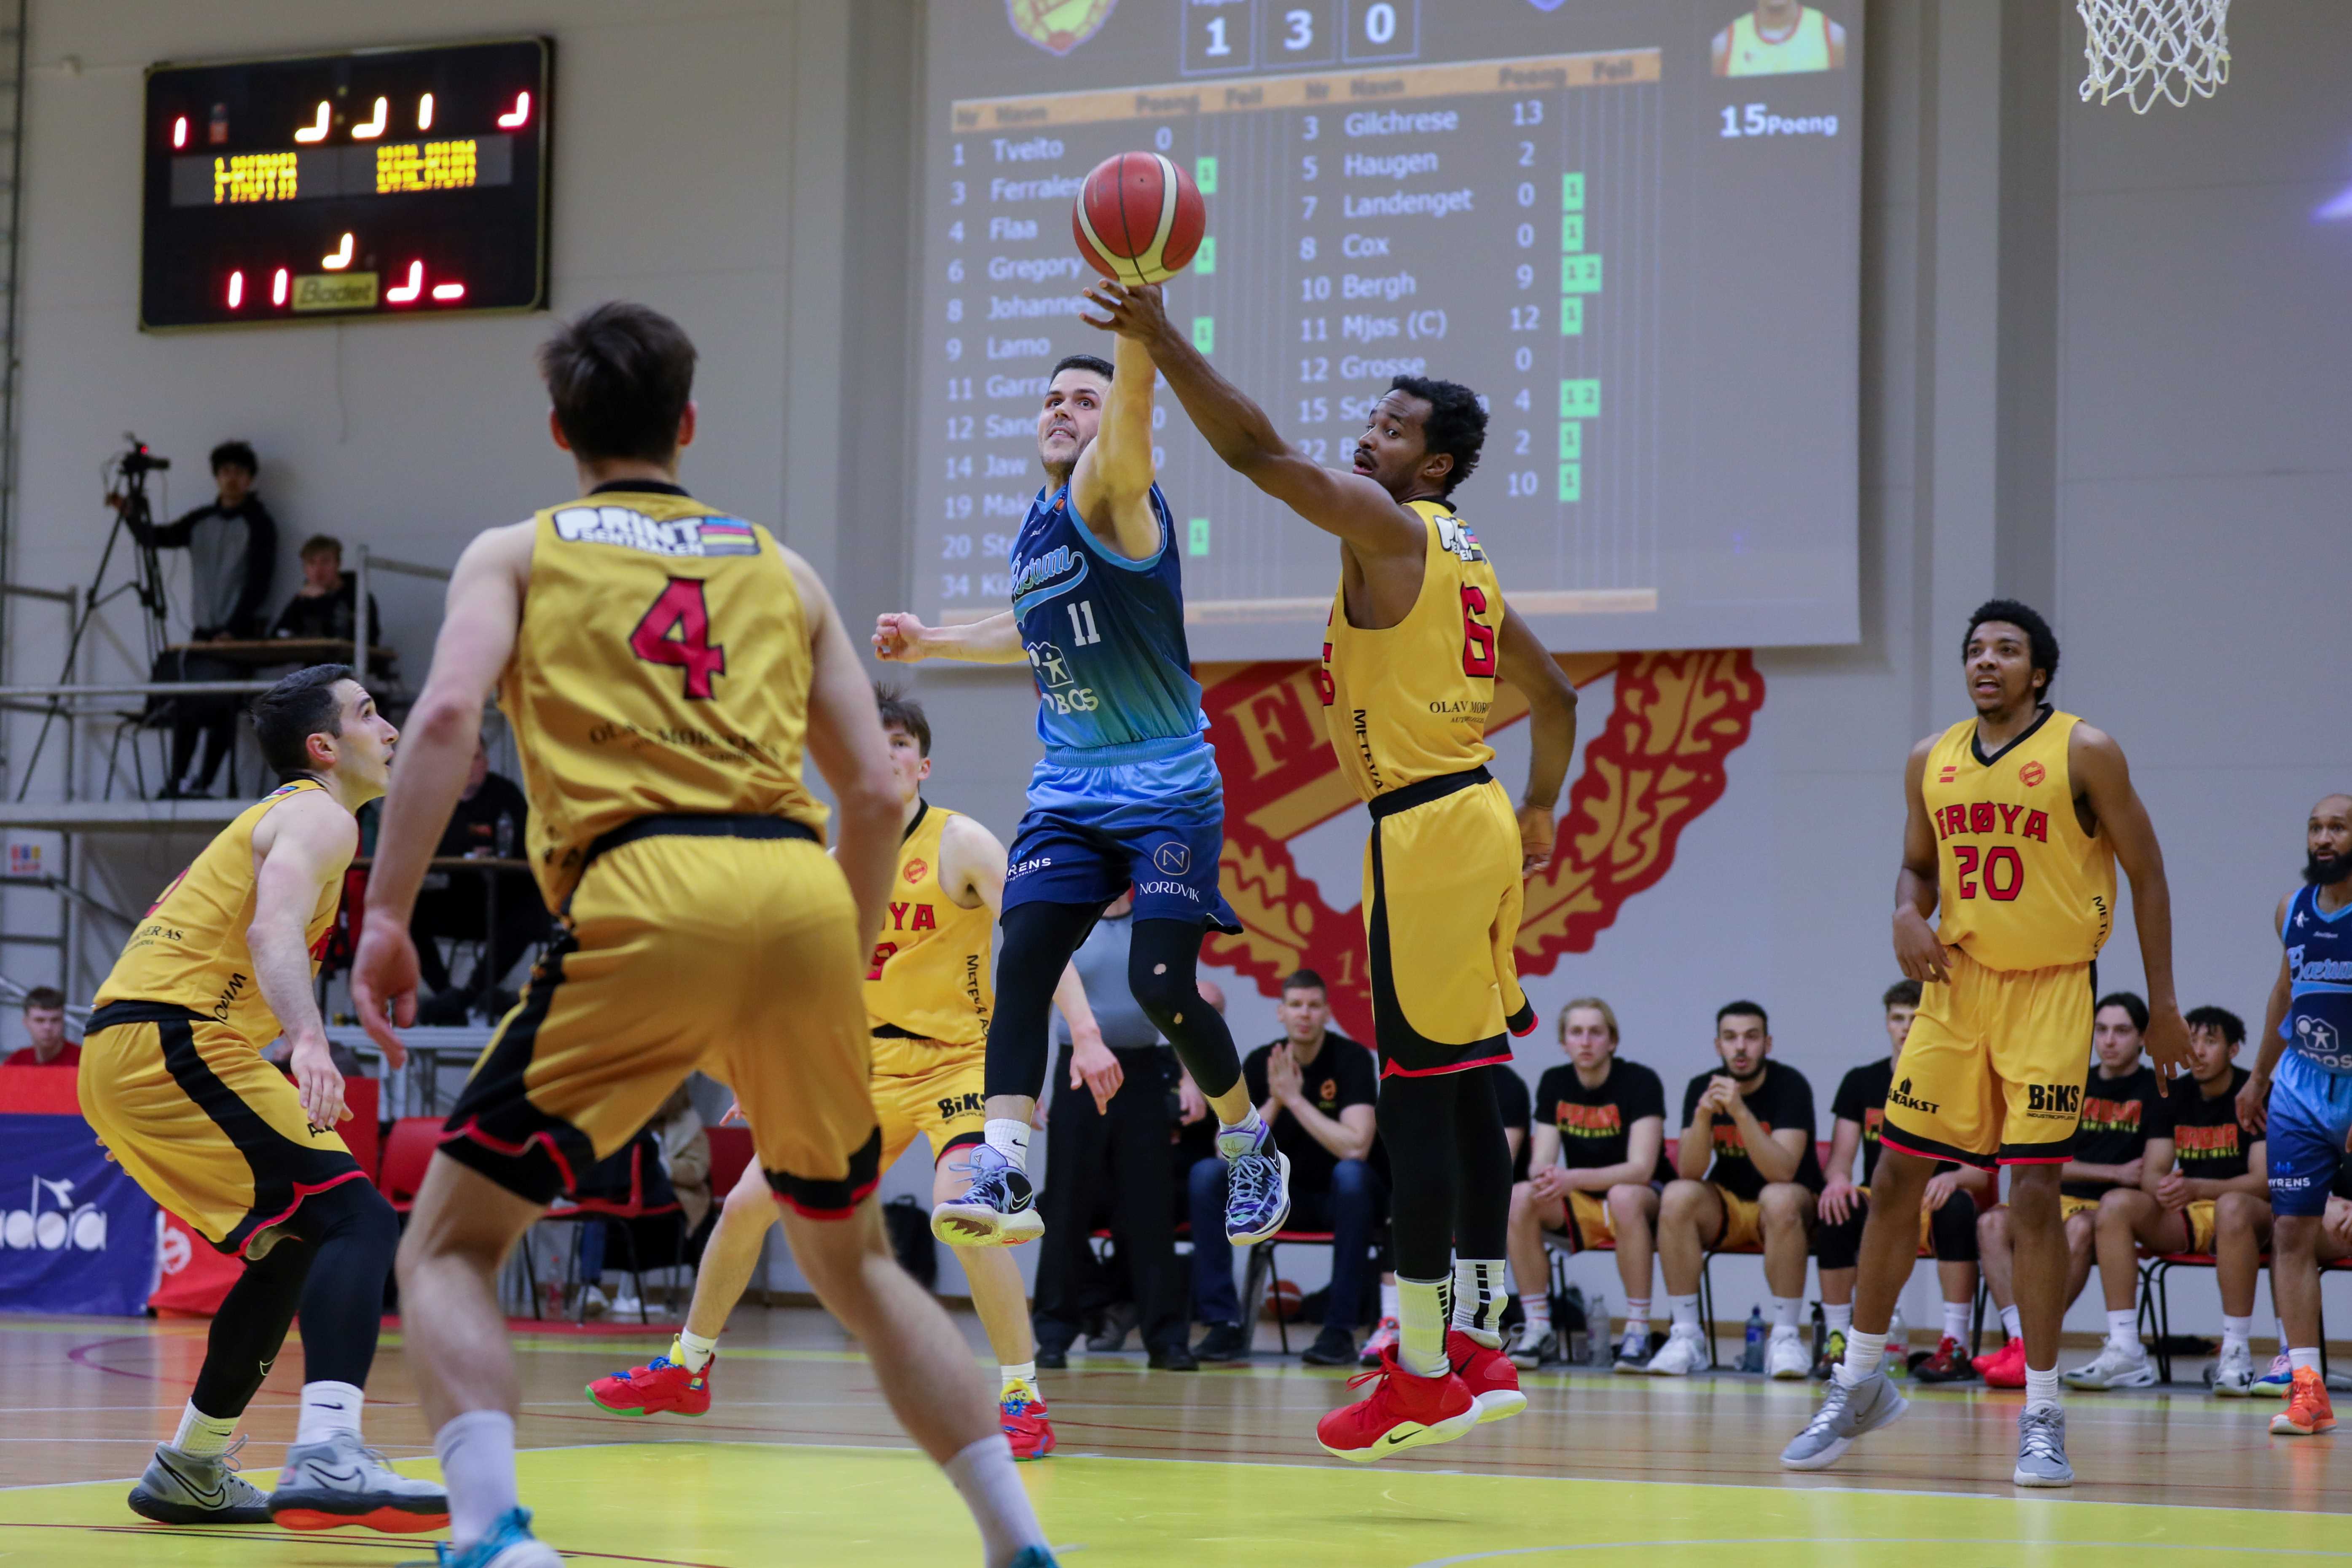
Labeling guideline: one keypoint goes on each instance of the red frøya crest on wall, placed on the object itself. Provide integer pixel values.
(1652, 764)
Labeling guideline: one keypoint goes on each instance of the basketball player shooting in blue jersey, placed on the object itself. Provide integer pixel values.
(1127, 794)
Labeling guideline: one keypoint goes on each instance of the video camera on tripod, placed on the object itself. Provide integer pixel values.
(139, 460)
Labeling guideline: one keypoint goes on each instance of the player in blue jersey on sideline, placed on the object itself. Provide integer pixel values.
(1127, 794)
(2309, 1107)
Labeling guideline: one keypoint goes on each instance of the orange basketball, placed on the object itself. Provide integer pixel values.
(1138, 218)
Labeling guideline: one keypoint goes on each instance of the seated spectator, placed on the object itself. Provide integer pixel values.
(1947, 1220)
(1317, 1089)
(2112, 1137)
(1747, 1172)
(327, 603)
(2202, 1172)
(45, 1025)
(1596, 1166)
(232, 545)
(490, 823)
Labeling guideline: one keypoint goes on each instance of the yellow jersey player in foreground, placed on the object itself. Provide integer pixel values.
(174, 1083)
(1778, 37)
(1417, 636)
(927, 998)
(665, 665)
(2016, 820)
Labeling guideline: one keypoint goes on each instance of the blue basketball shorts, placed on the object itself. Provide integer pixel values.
(1092, 831)
(2310, 1119)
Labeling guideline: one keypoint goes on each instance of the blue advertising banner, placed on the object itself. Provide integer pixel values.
(76, 1234)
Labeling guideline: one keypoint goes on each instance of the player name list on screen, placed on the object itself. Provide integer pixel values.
(1636, 247)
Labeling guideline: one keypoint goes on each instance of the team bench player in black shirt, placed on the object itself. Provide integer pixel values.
(1596, 1165)
(1948, 1218)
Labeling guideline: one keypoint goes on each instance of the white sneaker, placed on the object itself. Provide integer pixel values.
(591, 1302)
(2234, 1374)
(1785, 1358)
(2116, 1366)
(343, 1481)
(1684, 1352)
(1534, 1347)
(627, 1307)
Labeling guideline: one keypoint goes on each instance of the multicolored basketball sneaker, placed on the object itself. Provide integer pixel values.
(1028, 1426)
(660, 1387)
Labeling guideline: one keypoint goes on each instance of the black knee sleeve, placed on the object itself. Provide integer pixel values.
(250, 1328)
(1837, 1243)
(1418, 1114)
(1952, 1229)
(1482, 1201)
(1163, 961)
(1033, 949)
(352, 1235)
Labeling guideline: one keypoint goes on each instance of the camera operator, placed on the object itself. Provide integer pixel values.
(232, 545)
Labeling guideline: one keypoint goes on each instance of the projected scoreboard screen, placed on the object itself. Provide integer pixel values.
(1632, 225)
(374, 183)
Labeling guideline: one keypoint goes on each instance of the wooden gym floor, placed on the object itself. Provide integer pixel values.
(799, 1463)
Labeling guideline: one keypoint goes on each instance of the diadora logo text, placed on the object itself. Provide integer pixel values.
(53, 1221)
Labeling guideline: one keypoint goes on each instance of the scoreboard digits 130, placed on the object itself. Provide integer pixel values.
(375, 183)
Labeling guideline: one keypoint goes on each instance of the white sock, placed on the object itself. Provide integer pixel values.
(1637, 1314)
(1862, 1354)
(1009, 1138)
(984, 1476)
(2123, 1330)
(2010, 1324)
(1421, 1346)
(1388, 1304)
(1784, 1312)
(477, 1465)
(2041, 1388)
(2238, 1331)
(1538, 1308)
(1478, 1298)
(202, 1437)
(328, 1408)
(2297, 1360)
(692, 1350)
(1684, 1310)
(1837, 1318)
(1956, 1322)
(1023, 1372)
(1243, 1137)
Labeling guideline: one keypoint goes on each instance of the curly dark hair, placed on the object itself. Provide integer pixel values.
(2041, 642)
(2231, 1028)
(1456, 425)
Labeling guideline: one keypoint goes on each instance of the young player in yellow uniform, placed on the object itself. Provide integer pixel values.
(1417, 636)
(1778, 37)
(2017, 818)
(174, 1083)
(928, 995)
(667, 666)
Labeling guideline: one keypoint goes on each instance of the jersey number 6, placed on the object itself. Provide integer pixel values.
(1477, 638)
(681, 609)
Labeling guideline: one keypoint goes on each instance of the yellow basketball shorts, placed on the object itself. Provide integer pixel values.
(726, 944)
(1993, 1071)
(928, 1087)
(2199, 1213)
(1587, 1219)
(1442, 898)
(1743, 1222)
(211, 1132)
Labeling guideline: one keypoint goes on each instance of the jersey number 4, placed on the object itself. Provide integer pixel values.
(676, 630)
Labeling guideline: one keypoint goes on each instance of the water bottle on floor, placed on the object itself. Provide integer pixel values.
(1751, 1355)
(1601, 1353)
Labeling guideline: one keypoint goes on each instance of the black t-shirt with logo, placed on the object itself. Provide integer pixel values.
(1342, 1074)
(2207, 1143)
(1782, 1101)
(2117, 1113)
(1511, 1094)
(1596, 1124)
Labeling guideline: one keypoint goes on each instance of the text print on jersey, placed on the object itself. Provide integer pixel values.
(1054, 683)
(633, 530)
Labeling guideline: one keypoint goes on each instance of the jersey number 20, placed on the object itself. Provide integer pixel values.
(676, 630)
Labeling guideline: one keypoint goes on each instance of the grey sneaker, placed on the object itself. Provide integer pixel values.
(180, 1489)
(1257, 1187)
(343, 1481)
(2042, 1449)
(1845, 1414)
(2115, 1366)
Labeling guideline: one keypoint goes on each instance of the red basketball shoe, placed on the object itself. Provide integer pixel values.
(1027, 1425)
(2005, 1368)
(660, 1387)
(1401, 1412)
(1488, 1375)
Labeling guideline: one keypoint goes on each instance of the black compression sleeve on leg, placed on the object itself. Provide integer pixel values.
(1034, 947)
(351, 1234)
(1163, 961)
(1953, 1229)
(250, 1329)
(1416, 1115)
(1482, 1204)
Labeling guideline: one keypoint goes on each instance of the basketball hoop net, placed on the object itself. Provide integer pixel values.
(2144, 49)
